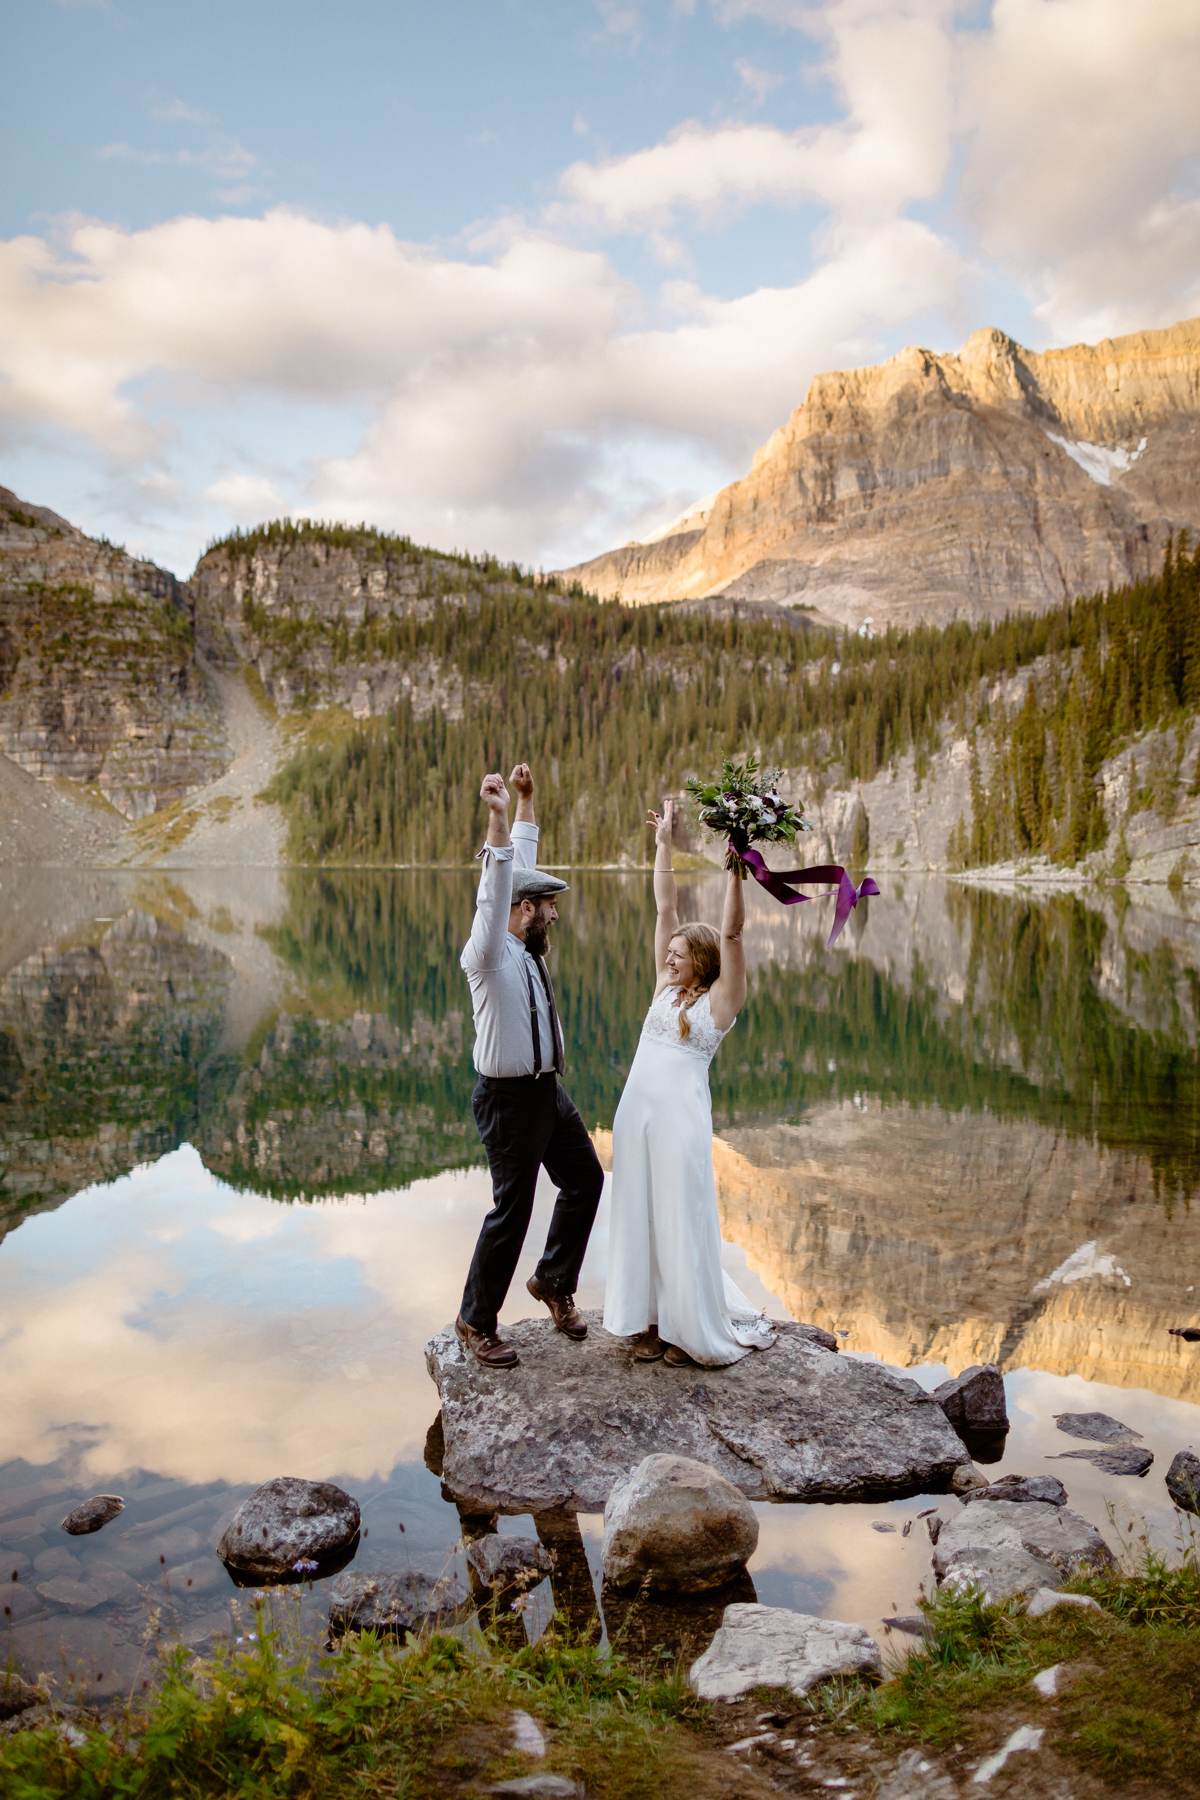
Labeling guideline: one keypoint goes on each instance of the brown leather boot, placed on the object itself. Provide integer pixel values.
(485, 1347)
(562, 1309)
(648, 1346)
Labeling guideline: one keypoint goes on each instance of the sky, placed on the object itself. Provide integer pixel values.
(533, 276)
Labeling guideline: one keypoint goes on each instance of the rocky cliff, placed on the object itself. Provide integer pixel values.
(935, 487)
(99, 681)
(318, 614)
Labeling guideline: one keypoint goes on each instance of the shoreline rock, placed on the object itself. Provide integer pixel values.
(771, 1646)
(1183, 1481)
(1010, 1548)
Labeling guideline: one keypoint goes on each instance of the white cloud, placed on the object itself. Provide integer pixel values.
(890, 65)
(519, 393)
(1084, 129)
(247, 498)
(514, 398)
(621, 19)
(227, 160)
(758, 82)
(174, 111)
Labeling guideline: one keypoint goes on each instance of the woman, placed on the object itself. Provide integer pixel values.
(666, 1287)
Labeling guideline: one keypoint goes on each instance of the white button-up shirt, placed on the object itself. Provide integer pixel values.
(498, 968)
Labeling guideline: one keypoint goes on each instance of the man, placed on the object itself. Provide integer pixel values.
(525, 1116)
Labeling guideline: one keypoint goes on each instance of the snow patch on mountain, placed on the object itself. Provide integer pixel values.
(1097, 460)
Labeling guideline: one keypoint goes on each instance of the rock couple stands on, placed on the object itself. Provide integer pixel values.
(799, 1422)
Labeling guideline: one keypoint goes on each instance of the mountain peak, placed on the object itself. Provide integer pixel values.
(940, 486)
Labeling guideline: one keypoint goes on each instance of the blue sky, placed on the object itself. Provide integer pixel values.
(532, 277)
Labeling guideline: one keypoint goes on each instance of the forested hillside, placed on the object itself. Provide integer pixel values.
(615, 706)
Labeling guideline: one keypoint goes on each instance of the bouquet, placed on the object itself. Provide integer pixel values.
(746, 807)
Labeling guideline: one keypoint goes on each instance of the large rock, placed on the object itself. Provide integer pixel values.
(288, 1521)
(674, 1524)
(91, 1514)
(1183, 1480)
(1008, 1547)
(769, 1646)
(796, 1422)
(395, 1604)
(974, 1401)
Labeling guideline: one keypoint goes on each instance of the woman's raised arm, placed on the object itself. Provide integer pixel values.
(666, 899)
(727, 995)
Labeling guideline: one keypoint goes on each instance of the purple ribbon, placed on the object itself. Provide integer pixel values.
(779, 883)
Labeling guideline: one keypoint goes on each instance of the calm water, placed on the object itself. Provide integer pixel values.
(239, 1185)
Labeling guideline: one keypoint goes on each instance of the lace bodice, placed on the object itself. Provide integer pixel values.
(661, 1025)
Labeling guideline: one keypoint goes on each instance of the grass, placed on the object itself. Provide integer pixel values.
(1129, 1708)
(276, 1721)
(165, 829)
(375, 1720)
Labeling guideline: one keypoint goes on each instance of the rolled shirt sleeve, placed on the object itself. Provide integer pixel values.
(525, 844)
(493, 903)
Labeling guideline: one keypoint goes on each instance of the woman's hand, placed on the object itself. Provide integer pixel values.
(663, 823)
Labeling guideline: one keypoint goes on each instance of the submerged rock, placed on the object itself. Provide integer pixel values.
(396, 1604)
(770, 1646)
(1101, 1426)
(967, 1479)
(509, 1562)
(1045, 1488)
(1118, 1459)
(91, 1514)
(17, 1695)
(795, 1422)
(288, 1521)
(675, 1525)
(1010, 1547)
(1183, 1480)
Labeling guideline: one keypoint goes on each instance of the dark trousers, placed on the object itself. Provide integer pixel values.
(526, 1124)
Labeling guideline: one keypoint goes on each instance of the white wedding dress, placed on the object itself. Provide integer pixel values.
(664, 1241)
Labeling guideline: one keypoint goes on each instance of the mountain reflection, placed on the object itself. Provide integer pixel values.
(916, 1129)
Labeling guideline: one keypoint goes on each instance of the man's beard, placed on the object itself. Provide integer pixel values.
(536, 937)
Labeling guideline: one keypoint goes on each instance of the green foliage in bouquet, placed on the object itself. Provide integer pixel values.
(745, 806)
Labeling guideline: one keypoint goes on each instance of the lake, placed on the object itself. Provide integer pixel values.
(240, 1184)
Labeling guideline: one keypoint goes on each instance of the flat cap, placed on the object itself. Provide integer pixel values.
(535, 884)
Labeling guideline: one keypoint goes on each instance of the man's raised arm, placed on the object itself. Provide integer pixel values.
(525, 827)
(485, 949)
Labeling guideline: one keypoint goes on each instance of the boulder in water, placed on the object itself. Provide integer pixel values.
(674, 1525)
(286, 1525)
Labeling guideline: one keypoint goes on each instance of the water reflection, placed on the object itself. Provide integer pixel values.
(972, 1132)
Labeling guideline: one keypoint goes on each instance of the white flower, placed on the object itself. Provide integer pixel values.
(753, 801)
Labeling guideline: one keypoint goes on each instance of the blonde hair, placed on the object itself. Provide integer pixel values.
(704, 945)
